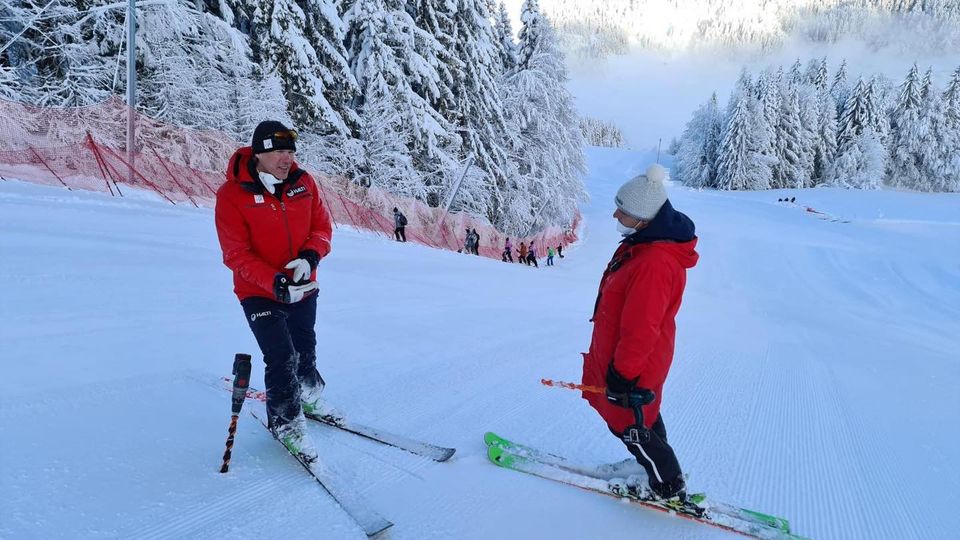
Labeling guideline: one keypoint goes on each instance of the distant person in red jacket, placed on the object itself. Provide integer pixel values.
(633, 327)
(273, 231)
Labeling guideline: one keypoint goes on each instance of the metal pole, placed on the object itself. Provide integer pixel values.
(131, 85)
(534, 222)
(456, 188)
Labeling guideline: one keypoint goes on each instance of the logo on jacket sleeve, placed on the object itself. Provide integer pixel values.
(258, 199)
(296, 191)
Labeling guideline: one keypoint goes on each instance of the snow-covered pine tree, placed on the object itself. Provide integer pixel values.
(926, 83)
(825, 144)
(436, 18)
(796, 73)
(821, 78)
(809, 132)
(951, 133)
(933, 160)
(256, 97)
(65, 56)
(279, 36)
(506, 47)
(862, 163)
(744, 85)
(740, 164)
(854, 116)
(548, 149)
(790, 169)
(383, 86)
(951, 100)
(406, 138)
(767, 121)
(17, 59)
(861, 155)
(696, 157)
(434, 146)
(909, 129)
(478, 111)
(326, 33)
(879, 107)
(840, 89)
(388, 165)
(600, 133)
(529, 36)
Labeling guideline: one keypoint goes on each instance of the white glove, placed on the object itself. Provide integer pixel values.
(297, 292)
(301, 269)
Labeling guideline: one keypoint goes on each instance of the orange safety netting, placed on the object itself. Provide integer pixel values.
(85, 148)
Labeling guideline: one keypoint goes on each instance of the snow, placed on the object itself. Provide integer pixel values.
(815, 375)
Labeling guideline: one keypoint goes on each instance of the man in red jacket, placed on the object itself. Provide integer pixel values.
(634, 328)
(273, 231)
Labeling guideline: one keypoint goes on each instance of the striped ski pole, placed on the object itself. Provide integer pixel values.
(241, 381)
(574, 386)
(638, 396)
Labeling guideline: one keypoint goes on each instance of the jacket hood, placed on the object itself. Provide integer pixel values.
(673, 231)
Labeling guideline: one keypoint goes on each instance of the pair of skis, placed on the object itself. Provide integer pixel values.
(346, 495)
(698, 508)
(530, 460)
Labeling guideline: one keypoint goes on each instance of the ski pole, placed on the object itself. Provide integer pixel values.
(574, 386)
(638, 396)
(241, 381)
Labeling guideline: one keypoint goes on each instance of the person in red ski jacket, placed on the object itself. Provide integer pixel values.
(274, 230)
(634, 329)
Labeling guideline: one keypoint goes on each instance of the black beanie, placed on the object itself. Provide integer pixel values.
(265, 141)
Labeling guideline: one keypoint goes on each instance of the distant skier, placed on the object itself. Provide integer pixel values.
(468, 242)
(560, 250)
(633, 324)
(507, 251)
(476, 242)
(274, 230)
(399, 224)
(522, 252)
(532, 255)
(549, 256)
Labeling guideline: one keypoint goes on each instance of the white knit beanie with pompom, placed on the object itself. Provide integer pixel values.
(643, 196)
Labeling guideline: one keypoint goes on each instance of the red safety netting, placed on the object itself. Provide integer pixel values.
(85, 148)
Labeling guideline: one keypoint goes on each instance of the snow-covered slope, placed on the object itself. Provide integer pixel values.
(815, 375)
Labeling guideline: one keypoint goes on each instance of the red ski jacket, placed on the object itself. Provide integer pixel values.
(260, 232)
(633, 322)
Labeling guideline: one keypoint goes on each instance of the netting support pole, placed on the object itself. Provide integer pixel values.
(40, 159)
(131, 86)
(102, 164)
(174, 178)
(456, 189)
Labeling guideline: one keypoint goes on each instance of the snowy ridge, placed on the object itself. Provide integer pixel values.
(815, 374)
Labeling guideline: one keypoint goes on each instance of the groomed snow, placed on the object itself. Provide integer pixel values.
(816, 373)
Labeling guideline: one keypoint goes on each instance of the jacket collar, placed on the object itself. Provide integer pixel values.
(242, 169)
(667, 225)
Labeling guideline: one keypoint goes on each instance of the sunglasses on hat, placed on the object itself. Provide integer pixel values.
(284, 135)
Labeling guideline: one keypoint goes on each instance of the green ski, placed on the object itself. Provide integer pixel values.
(518, 456)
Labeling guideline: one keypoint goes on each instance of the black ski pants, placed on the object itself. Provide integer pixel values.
(288, 341)
(400, 234)
(655, 455)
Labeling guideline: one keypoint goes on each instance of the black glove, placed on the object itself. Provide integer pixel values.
(281, 288)
(619, 388)
(310, 256)
(290, 293)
